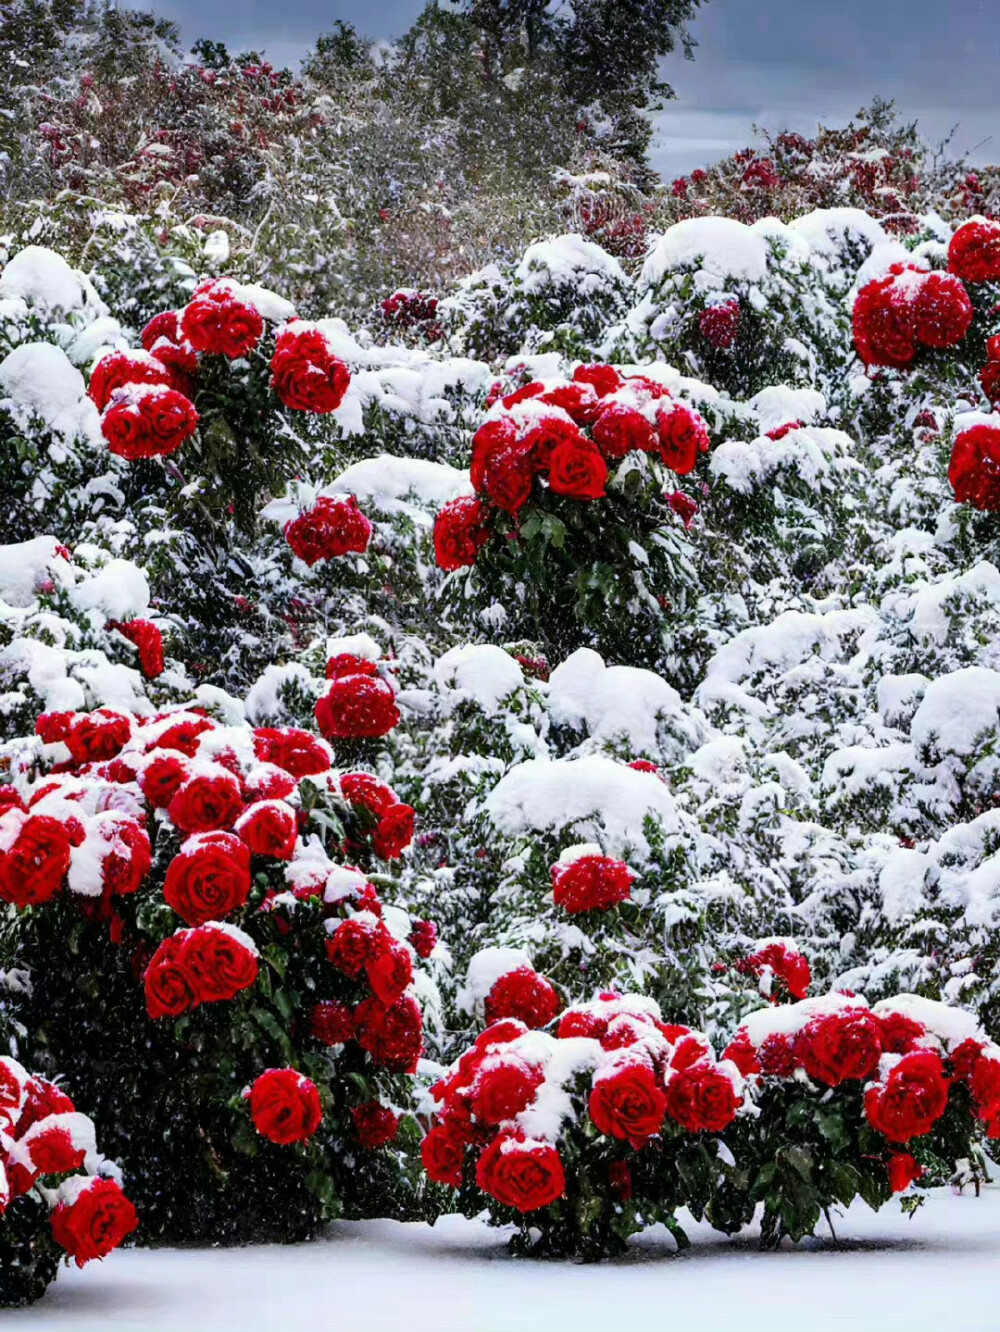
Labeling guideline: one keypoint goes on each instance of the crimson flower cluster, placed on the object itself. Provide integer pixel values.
(521, 1110)
(48, 1151)
(906, 309)
(974, 471)
(334, 525)
(974, 251)
(559, 438)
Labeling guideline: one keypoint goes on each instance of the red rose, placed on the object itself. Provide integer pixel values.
(522, 1175)
(126, 854)
(840, 1047)
(508, 475)
(120, 368)
(777, 1057)
(543, 439)
(170, 988)
(989, 381)
(95, 1222)
(719, 324)
(942, 311)
(305, 374)
(53, 1151)
(151, 422)
(389, 969)
(577, 469)
(591, 883)
(162, 777)
(183, 735)
(503, 1086)
(974, 252)
(218, 323)
(974, 471)
(788, 969)
(627, 1102)
(394, 832)
(346, 663)
(208, 878)
(357, 707)
(361, 788)
(148, 640)
(206, 802)
(34, 869)
(162, 338)
(524, 394)
(269, 828)
(682, 435)
(684, 506)
(903, 1171)
(51, 727)
(912, 1098)
(620, 430)
(491, 437)
(579, 401)
(702, 1099)
(331, 1022)
(443, 1154)
(605, 378)
(883, 321)
(424, 937)
(375, 1125)
(334, 526)
(285, 1106)
(42, 1098)
(986, 1087)
(524, 995)
(221, 962)
(97, 736)
(352, 945)
(460, 532)
(743, 1053)
(899, 1033)
(298, 752)
(392, 1036)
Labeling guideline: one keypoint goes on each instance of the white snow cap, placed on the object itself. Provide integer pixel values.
(45, 280)
(485, 969)
(480, 671)
(720, 247)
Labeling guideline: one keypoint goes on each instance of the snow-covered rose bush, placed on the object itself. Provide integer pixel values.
(182, 906)
(59, 1197)
(584, 1135)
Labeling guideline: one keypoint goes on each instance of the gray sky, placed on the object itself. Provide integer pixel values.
(776, 63)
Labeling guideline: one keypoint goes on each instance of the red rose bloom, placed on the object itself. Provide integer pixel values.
(219, 963)
(331, 528)
(206, 802)
(305, 374)
(508, 475)
(170, 988)
(903, 1171)
(120, 368)
(284, 1106)
(702, 1099)
(162, 778)
(974, 252)
(684, 506)
(743, 1053)
(789, 969)
(361, 788)
(989, 381)
(298, 752)
(883, 322)
(357, 707)
(269, 828)
(346, 663)
(524, 995)
(389, 968)
(97, 736)
(942, 311)
(393, 1036)
(145, 636)
(424, 937)
(577, 469)
(34, 869)
(628, 1103)
(443, 1154)
(899, 1033)
(162, 338)
(912, 1098)
(974, 471)
(208, 878)
(491, 437)
(51, 727)
(522, 1175)
(503, 1087)
(331, 1022)
(351, 946)
(591, 883)
(127, 855)
(620, 430)
(460, 532)
(545, 437)
(986, 1087)
(375, 1125)
(605, 378)
(218, 323)
(96, 1221)
(777, 1057)
(148, 423)
(579, 401)
(394, 832)
(682, 435)
(840, 1047)
(719, 324)
(52, 1151)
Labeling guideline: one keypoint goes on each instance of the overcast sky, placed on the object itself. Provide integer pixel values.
(777, 63)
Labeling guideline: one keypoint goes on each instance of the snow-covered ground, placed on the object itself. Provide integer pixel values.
(937, 1271)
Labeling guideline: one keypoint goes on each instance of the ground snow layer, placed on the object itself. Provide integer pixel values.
(936, 1272)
